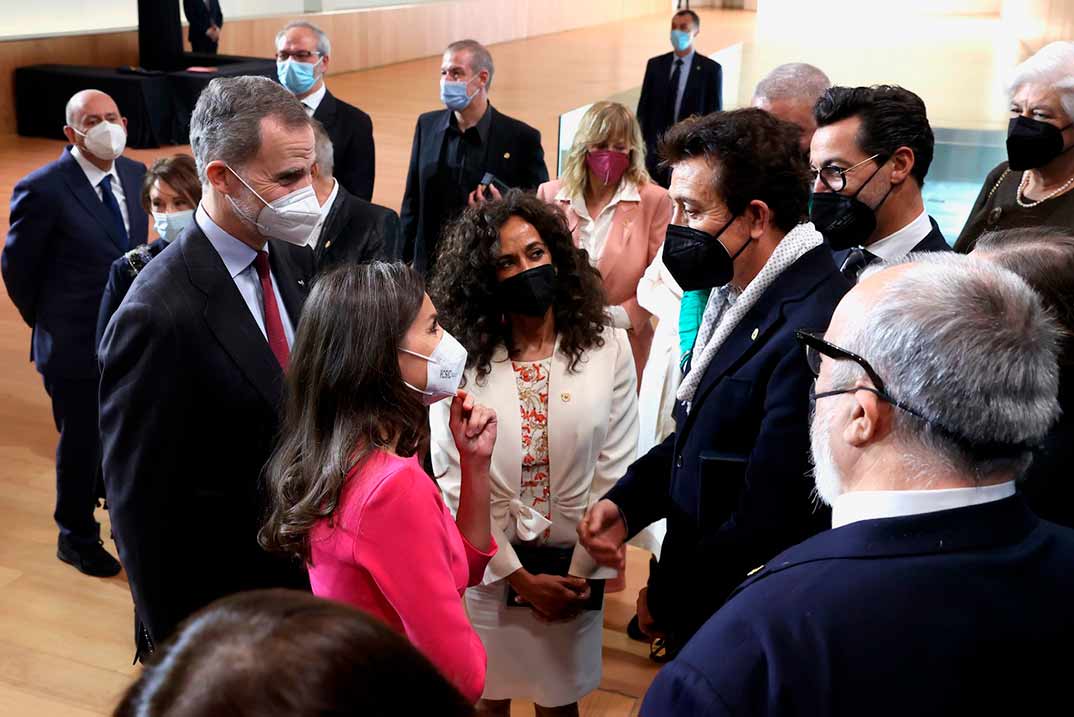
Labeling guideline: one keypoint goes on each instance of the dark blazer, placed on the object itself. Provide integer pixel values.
(353, 153)
(933, 241)
(957, 612)
(513, 153)
(733, 479)
(356, 231)
(201, 18)
(120, 277)
(190, 394)
(60, 246)
(702, 95)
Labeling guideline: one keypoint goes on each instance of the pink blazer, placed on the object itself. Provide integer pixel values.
(636, 235)
(392, 549)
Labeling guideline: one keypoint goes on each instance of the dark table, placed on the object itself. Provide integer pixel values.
(186, 86)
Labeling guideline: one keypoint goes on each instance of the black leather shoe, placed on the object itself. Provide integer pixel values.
(90, 559)
(633, 631)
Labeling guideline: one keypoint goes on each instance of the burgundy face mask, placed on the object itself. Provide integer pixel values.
(607, 164)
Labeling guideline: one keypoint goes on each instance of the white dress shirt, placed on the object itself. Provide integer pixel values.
(898, 244)
(95, 175)
(314, 239)
(593, 233)
(313, 101)
(239, 258)
(853, 506)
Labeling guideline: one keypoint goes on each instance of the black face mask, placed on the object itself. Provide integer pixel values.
(845, 221)
(1032, 143)
(697, 259)
(529, 293)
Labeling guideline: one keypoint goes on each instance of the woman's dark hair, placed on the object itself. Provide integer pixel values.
(282, 653)
(758, 158)
(345, 395)
(464, 286)
(179, 172)
(1044, 257)
(891, 117)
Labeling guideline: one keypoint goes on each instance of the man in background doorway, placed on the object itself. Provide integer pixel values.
(789, 92)
(205, 18)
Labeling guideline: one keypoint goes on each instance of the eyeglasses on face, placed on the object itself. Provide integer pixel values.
(300, 56)
(835, 178)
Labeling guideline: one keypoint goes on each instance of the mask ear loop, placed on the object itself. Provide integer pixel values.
(246, 185)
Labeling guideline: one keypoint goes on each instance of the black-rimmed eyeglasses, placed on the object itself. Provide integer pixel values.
(835, 178)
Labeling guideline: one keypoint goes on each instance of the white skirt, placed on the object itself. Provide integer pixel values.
(551, 664)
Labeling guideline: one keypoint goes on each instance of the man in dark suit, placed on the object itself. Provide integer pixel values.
(303, 53)
(731, 480)
(205, 18)
(69, 221)
(350, 230)
(937, 592)
(871, 151)
(193, 363)
(454, 148)
(677, 85)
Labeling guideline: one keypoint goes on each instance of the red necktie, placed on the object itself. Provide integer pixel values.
(277, 339)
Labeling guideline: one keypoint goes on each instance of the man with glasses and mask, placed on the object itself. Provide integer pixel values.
(937, 591)
(193, 362)
(732, 480)
(69, 221)
(303, 53)
(870, 154)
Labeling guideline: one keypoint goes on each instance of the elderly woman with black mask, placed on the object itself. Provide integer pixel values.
(530, 310)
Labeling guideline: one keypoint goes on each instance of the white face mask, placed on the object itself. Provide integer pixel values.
(170, 226)
(445, 367)
(104, 140)
(290, 218)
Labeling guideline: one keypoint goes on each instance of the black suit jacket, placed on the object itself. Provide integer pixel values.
(59, 249)
(513, 153)
(353, 153)
(933, 241)
(957, 612)
(190, 394)
(356, 231)
(733, 479)
(201, 18)
(702, 95)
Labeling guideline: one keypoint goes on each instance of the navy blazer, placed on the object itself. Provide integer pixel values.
(933, 241)
(60, 247)
(353, 152)
(356, 232)
(513, 154)
(702, 95)
(957, 612)
(732, 480)
(190, 398)
(120, 277)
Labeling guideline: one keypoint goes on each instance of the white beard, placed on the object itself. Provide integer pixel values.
(826, 475)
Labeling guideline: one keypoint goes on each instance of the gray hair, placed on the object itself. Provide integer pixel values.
(968, 346)
(1051, 66)
(324, 46)
(793, 81)
(480, 58)
(323, 150)
(226, 124)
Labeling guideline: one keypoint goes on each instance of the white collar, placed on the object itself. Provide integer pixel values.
(854, 506)
(92, 172)
(900, 243)
(237, 256)
(627, 192)
(314, 101)
(331, 197)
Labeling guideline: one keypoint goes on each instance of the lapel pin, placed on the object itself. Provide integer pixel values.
(301, 282)
(565, 397)
(753, 336)
(507, 155)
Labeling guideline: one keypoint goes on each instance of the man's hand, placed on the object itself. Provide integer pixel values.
(551, 597)
(603, 534)
(213, 33)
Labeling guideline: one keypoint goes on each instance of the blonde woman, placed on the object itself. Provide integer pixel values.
(615, 212)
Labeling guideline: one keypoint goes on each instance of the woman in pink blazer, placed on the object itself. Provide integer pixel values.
(615, 212)
(347, 491)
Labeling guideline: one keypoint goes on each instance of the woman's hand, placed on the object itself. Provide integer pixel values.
(553, 598)
(474, 429)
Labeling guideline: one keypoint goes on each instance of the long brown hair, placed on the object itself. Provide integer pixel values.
(345, 395)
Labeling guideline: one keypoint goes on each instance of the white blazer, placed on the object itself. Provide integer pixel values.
(592, 439)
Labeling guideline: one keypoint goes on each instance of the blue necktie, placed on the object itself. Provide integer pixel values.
(112, 206)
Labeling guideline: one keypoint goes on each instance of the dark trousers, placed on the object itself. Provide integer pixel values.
(203, 45)
(78, 457)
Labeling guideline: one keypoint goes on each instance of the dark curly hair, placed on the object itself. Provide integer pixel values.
(464, 283)
(758, 158)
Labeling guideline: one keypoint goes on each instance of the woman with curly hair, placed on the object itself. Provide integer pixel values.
(530, 310)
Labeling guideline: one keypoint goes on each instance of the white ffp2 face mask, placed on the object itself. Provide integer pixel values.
(170, 226)
(291, 218)
(104, 140)
(445, 366)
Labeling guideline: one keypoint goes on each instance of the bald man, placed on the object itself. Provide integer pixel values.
(69, 221)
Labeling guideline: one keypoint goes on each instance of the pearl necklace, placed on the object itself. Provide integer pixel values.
(1029, 205)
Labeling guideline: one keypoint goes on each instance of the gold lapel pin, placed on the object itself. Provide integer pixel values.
(565, 397)
(753, 336)
(507, 155)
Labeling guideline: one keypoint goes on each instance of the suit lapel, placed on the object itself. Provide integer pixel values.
(435, 145)
(493, 136)
(616, 245)
(291, 282)
(132, 191)
(326, 111)
(86, 194)
(565, 402)
(229, 318)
